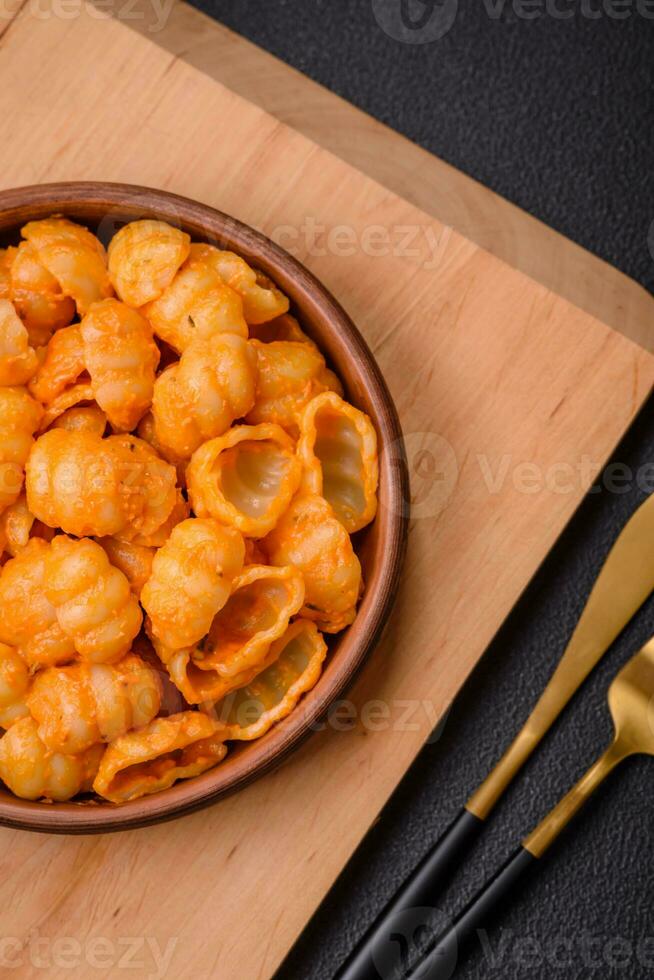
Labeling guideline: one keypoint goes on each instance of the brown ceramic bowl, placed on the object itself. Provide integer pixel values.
(104, 208)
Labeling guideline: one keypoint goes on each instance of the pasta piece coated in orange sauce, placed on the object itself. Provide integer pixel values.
(310, 536)
(61, 367)
(33, 772)
(6, 258)
(146, 431)
(212, 385)
(82, 418)
(18, 525)
(155, 480)
(121, 358)
(93, 601)
(200, 686)
(36, 294)
(78, 706)
(28, 619)
(191, 580)
(79, 396)
(197, 305)
(14, 685)
(152, 759)
(289, 375)
(157, 538)
(262, 300)
(74, 257)
(262, 601)
(86, 485)
(338, 446)
(18, 360)
(295, 666)
(20, 417)
(245, 478)
(143, 259)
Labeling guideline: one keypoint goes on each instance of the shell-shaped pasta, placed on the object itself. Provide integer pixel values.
(297, 659)
(121, 357)
(7, 256)
(94, 603)
(262, 601)
(14, 685)
(191, 580)
(310, 536)
(152, 759)
(157, 482)
(18, 361)
(180, 512)
(74, 256)
(82, 418)
(143, 259)
(37, 295)
(241, 638)
(62, 366)
(201, 686)
(262, 300)
(17, 525)
(245, 478)
(338, 446)
(146, 431)
(78, 706)
(32, 771)
(289, 375)
(196, 305)
(284, 327)
(197, 399)
(83, 484)
(79, 396)
(20, 416)
(133, 560)
(28, 619)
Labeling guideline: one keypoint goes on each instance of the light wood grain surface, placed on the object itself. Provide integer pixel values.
(510, 398)
(416, 175)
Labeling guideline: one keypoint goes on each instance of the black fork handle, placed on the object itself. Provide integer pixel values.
(419, 890)
(440, 962)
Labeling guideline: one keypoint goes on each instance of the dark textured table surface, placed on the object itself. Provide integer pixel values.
(556, 114)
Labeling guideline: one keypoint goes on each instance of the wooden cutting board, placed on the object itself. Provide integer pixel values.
(511, 398)
(447, 194)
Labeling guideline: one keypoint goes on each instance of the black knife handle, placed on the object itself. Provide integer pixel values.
(419, 891)
(440, 962)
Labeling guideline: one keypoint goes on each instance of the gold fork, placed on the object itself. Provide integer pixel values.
(631, 702)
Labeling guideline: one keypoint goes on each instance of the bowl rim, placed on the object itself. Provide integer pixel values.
(125, 202)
